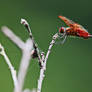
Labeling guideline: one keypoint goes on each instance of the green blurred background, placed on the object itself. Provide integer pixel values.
(69, 67)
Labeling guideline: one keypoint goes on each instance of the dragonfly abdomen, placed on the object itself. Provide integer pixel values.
(82, 33)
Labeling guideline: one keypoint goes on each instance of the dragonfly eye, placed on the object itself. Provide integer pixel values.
(62, 29)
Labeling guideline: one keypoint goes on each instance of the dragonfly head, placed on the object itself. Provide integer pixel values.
(62, 29)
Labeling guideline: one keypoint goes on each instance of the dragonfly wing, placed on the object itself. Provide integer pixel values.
(67, 21)
(71, 23)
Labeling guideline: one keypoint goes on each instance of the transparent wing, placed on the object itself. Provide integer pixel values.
(71, 23)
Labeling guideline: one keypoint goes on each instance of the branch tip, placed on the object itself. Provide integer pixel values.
(55, 36)
(23, 21)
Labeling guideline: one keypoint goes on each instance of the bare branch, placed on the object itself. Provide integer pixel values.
(36, 50)
(25, 23)
(29, 50)
(41, 77)
(26, 57)
(13, 72)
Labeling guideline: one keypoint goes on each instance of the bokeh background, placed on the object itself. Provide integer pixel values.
(69, 67)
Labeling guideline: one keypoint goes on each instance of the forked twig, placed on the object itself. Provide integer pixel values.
(29, 50)
(42, 60)
(42, 71)
(25, 61)
(26, 56)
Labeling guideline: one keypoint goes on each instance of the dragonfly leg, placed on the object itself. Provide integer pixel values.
(64, 36)
(62, 42)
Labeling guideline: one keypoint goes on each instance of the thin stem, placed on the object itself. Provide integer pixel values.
(42, 71)
(25, 23)
(13, 72)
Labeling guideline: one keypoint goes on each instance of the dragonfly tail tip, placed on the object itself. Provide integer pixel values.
(90, 36)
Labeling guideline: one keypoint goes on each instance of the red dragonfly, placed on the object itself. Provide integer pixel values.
(74, 29)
